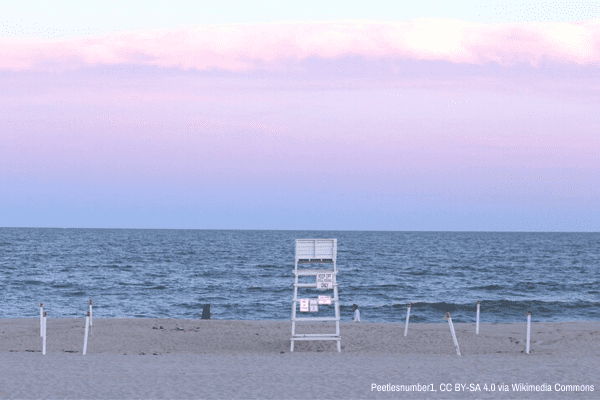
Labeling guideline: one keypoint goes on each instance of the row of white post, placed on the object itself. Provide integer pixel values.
(448, 318)
(88, 326)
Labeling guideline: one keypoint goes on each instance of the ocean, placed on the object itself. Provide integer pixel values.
(248, 275)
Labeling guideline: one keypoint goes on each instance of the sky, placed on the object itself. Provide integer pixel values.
(434, 116)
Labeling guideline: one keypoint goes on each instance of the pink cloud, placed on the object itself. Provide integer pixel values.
(280, 46)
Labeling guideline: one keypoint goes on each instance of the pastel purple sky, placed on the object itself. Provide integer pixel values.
(422, 124)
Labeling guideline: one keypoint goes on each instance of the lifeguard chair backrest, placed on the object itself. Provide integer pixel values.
(316, 249)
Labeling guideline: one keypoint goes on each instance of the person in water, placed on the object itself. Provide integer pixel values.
(356, 312)
(206, 314)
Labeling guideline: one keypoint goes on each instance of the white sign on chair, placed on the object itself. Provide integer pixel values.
(304, 305)
(324, 281)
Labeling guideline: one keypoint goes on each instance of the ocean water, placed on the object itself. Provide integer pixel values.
(248, 275)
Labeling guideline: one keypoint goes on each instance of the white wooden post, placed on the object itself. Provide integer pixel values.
(44, 333)
(407, 316)
(87, 325)
(477, 326)
(41, 319)
(91, 315)
(528, 330)
(448, 317)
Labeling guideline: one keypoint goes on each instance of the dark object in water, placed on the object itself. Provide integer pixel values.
(206, 314)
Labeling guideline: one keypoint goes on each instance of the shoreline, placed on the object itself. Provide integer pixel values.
(127, 357)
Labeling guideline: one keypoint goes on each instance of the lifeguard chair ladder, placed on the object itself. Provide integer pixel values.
(316, 251)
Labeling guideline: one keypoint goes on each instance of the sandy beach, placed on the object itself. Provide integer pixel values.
(135, 358)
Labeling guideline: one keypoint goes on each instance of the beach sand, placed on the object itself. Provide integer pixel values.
(127, 358)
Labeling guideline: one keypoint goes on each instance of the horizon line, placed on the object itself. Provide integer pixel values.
(292, 230)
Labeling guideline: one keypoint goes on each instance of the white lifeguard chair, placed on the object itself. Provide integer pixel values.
(317, 251)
